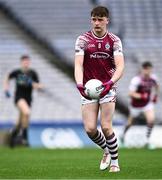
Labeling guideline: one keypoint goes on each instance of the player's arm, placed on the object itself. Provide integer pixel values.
(157, 89)
(6, 84)
(137, 95)
(36, 83)
(6, 81)
(119, 64)
(78, 69)
(157, 92)
(78, 74)
(134, 84)
(79, 59)
(118, 59)
(78, 66)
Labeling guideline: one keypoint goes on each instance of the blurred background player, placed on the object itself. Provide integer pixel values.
(144, 92)
(25, 79)
(99, 56)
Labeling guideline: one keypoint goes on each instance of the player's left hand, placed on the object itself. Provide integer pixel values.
(107, 86)
(155, 99)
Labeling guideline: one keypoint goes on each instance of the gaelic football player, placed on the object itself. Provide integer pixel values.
(142, 98)
(26, 79)
(98, 55)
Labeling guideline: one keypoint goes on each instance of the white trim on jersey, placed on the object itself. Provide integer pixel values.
(135, 82)
(99, 37)
(117, 47)
(155, 78)
(79, 46)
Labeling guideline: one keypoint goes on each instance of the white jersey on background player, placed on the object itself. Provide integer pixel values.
(145, 87)
(143, 92)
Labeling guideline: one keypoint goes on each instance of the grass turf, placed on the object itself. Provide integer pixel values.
(23, 163)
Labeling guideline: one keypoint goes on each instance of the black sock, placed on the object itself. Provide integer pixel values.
(25, 134)
(15, 131)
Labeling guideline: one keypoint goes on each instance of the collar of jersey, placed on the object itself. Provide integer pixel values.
(99, 37)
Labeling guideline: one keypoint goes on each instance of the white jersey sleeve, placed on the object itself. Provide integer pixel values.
(134, 84)
(117, 47)
(80, 45)
(155, 78)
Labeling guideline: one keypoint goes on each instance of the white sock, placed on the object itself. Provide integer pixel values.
(114, 162)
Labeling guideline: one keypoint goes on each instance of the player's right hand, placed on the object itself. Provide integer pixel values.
(144, 96)
(81, 89)
(7, 94)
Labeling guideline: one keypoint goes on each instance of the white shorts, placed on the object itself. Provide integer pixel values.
(110, 97)
(135, 111)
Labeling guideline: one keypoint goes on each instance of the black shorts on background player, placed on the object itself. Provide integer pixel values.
(24, 84)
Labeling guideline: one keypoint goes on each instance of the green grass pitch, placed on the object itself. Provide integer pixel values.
(24, 163)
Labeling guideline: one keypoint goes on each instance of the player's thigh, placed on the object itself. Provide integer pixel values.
(107, 111)
(23, 107)
(90, 115)
(135, 111)
(149, 115)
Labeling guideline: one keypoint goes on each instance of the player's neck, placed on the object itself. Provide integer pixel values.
(99, 34)
(144, 76)
(25, 69)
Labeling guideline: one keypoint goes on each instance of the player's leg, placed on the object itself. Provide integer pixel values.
(24, 109)
(107, 111)
(128, 125)
(149, 114)
(133, 113)
(15, 131)
(90, 116)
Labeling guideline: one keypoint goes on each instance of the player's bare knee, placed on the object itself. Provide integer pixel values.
(107, 131)
(129, 124)
(26, 112)
(150, 124)
(91, 131)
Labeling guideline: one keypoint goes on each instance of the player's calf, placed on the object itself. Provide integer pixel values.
(113, 150)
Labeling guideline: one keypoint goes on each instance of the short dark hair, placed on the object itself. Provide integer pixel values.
(100, 11)
(24, 57)
(147, 64)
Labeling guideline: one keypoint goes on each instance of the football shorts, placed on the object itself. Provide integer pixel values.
(135, 111)
(110, 97)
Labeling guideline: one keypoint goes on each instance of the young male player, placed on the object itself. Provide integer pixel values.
(140, 91)
(98, 55)
(25, 79)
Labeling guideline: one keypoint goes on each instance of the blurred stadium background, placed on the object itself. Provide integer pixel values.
(47, 30)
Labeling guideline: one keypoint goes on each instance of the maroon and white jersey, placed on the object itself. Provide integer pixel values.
(142, 85)
(98, 55)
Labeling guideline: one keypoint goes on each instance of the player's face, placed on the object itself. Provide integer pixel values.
(147, 71)
(25, 64)
(99, 24)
